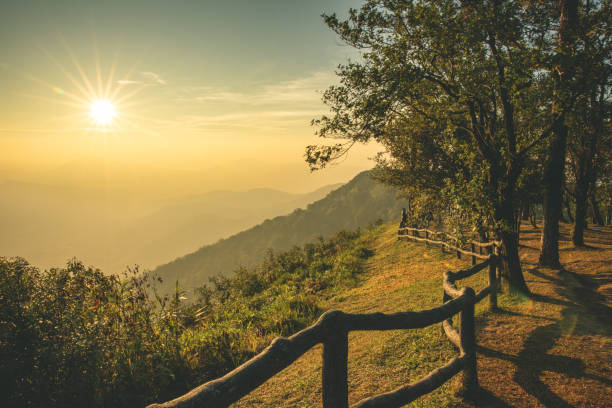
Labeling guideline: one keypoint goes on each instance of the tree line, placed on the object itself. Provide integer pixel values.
(485, 110)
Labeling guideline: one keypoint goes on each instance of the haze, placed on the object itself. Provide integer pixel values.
(206, 96)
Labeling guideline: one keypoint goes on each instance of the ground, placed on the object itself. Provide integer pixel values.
(553, 349)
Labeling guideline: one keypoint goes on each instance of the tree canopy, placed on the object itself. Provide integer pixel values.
(461, 97)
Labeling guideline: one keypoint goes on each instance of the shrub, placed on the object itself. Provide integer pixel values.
(75, 337)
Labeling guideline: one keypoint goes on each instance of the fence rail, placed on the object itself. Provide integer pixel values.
(332, 329)
(445, 243)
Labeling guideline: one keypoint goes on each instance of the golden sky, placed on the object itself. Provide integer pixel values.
(220, 94)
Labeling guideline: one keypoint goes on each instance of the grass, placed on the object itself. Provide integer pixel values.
(554, 349)
(551, 350)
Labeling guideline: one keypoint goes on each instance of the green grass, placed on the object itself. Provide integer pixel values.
(551, 349)
(546, 350)
(399, 276)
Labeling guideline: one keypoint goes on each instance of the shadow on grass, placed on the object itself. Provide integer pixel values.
(532, 316)
(584, 290)
(584, 247)
(485, 398)
(534, 359)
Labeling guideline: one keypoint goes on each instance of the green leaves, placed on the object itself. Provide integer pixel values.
(75, 337)
(457, 93)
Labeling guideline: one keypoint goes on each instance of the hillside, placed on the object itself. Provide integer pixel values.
(98, 340)
(359, 203)
(551, 350)
(114, 228)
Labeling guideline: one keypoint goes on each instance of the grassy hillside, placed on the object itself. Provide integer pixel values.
(551, 350)
(359, 203)
(75, 337)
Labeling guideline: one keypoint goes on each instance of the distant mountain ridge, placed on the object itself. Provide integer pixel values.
(360, 202)
(48, 225)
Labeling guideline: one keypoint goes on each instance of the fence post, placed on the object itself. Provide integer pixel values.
(473, 248)
(458, 252)
(426, 237)
(493, 283)
(335, 358)
(499, 269)
(445, 298)
(468, 345)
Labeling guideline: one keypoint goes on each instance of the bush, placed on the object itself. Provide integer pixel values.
(75, 337)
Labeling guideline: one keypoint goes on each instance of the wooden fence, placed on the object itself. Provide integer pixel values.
(451, 243)
(332, 330)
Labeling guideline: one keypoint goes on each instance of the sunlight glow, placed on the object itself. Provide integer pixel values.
(102, 112)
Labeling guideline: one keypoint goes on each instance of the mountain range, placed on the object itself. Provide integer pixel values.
(111, 229)
(359, 203)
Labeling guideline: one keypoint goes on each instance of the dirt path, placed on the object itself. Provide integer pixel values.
(554, 349)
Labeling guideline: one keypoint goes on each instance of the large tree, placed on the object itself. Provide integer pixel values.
(579, 67)
(562, 75)
(589, 121)
(589, 127)
(455, 92)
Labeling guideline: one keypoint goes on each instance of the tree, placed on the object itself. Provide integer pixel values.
(587, 147)
(580, 70)
(562, 75)
(456, 94)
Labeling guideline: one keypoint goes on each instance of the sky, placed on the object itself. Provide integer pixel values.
(198, 87)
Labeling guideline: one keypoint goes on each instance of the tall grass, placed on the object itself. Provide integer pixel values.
(75, 337)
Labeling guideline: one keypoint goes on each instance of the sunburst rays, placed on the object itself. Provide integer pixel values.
(101, 101)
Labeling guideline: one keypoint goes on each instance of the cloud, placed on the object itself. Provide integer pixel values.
(275, 107)
(296, 91)
(153, 77)
(279, 107)
(128, 82)
(146, 78)
(274, 120)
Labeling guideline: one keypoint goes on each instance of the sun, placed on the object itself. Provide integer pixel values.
(102, 112)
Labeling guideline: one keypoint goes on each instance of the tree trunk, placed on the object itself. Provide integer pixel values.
(507, 215)
(525, 212)
(511, 264)
(553, 197)
(532, 218)
(555, 163)
(597, 218)
(568, 210)
(580, 199)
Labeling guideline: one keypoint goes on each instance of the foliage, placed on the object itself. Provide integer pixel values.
(360, 202)
(76, 337)
(461, 95)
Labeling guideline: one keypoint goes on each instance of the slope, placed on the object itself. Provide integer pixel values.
(551, 350)
(359, 203)
(112, 228)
